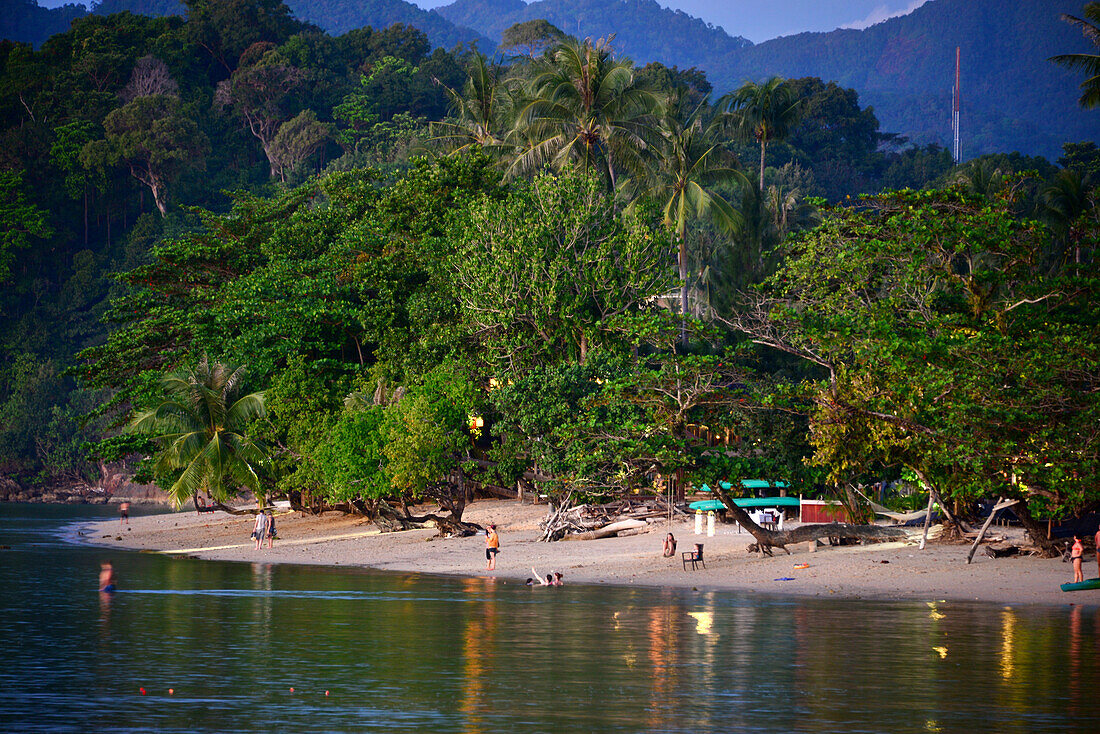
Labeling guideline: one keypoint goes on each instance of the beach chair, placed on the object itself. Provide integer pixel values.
(694, 557)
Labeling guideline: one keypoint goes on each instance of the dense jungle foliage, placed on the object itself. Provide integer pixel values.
(393, 273)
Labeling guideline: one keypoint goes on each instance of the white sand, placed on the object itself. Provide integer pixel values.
(879, 571)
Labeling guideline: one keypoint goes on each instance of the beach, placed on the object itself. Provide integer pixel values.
(889, 571)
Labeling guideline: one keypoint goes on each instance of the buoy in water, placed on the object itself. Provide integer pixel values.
(142, 691)
(292, 689)
(171, 691)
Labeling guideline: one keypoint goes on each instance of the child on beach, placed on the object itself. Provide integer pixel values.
(670, 546)
(1075, 555)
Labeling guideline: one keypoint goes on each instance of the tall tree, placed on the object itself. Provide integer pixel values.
(200, 428)
(762, 112)
(1088, 63)
(585, 107)
(690, 163)
(157, 140)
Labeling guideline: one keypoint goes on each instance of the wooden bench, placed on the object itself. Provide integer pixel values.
(694, 557)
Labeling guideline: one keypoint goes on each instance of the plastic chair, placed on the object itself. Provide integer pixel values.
(695, 557)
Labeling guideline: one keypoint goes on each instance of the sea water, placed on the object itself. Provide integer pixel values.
(188, 646)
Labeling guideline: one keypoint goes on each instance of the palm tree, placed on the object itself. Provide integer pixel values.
(762, 112)
(585, 107)
(690, 163)
(481, 113)
(199, 428)
(1088, 63)
(1067, 207)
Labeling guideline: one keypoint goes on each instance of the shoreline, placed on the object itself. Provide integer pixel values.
(892, 571)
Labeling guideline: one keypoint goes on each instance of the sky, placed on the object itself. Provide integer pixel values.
(758, 20)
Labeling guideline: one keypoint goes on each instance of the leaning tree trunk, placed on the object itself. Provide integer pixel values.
(768, 539)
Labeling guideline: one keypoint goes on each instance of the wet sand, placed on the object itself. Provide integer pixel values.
(893, 570)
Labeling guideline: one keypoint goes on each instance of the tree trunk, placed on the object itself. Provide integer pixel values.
(683, 289)
(768, 539)
(763, 146)
(1035, 531)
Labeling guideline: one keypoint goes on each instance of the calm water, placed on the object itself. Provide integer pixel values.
(407, 653)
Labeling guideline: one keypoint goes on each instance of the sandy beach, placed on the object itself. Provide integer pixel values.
(892, 570)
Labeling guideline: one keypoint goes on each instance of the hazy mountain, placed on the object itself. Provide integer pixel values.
(1012, 97)
(340, 16)
(24, 20)
(643, 30)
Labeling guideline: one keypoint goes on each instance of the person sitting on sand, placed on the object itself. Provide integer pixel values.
(1075, 555)
(670, 546)
(106, 577)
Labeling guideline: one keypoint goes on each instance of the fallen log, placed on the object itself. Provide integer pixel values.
(607, 531)
(994, 551)
(842, 530)
(768, 539)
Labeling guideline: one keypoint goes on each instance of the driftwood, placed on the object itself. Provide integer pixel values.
(994, 551)
(768, 539)
(607, 531)
(586, 522)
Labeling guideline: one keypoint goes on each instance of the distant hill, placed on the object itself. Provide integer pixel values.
(643, 30)
(1013, 98)
(24, 20)
(340, 16)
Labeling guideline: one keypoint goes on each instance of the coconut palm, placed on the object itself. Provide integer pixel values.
(585, 107)
(1088, 63)
(481, 113)
(199, 428)
(762, 112)
(689, 164)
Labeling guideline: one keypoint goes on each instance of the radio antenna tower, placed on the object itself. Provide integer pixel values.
(956, 98)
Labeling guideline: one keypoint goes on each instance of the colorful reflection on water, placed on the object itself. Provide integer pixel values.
(369, 651)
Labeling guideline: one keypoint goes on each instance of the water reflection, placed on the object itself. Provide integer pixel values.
(402, 652)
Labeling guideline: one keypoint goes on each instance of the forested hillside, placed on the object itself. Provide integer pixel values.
(24, 20)
(903, 67)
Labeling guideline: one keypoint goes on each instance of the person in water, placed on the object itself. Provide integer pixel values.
(670, 546)
(1075, 555)
(557, 579)
(106, 577)
(492, 547)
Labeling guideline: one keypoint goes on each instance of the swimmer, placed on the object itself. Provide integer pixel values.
(106, 577)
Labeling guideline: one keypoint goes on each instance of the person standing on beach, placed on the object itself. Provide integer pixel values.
(492, 547)
(270, 530)
(1097, 541)
(1075, 555)
(259, 530)
(124, 513)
